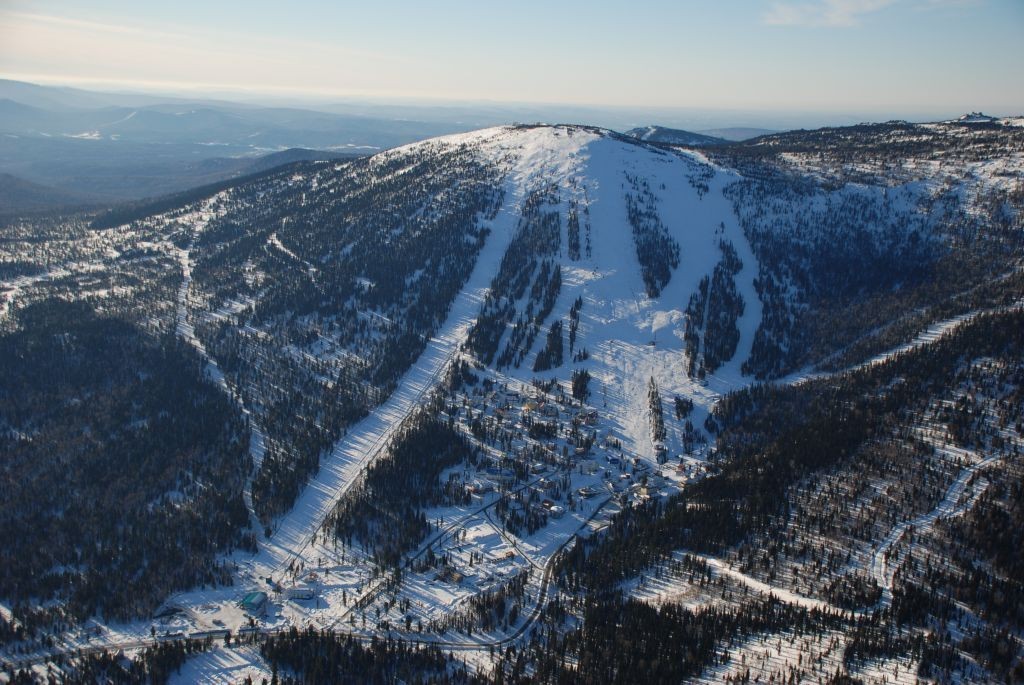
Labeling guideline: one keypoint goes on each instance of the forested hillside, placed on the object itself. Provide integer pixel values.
(572, 405)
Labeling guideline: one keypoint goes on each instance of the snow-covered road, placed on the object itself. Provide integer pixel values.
(927, 336)
(783, 595)
(952, 504)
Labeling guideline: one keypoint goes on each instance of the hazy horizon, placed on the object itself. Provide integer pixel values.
(475, 114)
(828, 61)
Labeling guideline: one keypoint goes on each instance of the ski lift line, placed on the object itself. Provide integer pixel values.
(383, 441)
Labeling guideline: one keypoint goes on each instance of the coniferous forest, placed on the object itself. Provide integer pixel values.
(509, 407)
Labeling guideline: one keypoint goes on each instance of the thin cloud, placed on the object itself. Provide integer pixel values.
(81, 25)
(832, 13)
(845, 13)
(118, 53)
(936, 4)
(27, 22)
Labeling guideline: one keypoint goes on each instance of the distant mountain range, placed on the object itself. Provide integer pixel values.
(110, 147)
(675, 136)
(19, 195)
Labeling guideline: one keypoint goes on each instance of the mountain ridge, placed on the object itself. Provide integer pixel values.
(674, 136)
(553, 366)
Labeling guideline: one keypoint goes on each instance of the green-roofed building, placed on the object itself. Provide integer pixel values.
(254, 604)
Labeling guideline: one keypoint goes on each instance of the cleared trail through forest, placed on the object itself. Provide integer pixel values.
(928, 336)
(186, 331)
(296, 531)
(881, 567)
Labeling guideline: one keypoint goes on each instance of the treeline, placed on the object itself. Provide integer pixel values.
(580, 382)
(574, 323)
(656, 250)
(310, 657)
(129, 212)
(865, 153)
(538, 236)
(657, 412)
(546, 286)
(551, 356)
(713, 311)
(154, 666)
(843, 270)
(623, 640)
(573, 232)
(578, 246)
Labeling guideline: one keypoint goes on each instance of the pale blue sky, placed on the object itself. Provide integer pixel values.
(913, 56)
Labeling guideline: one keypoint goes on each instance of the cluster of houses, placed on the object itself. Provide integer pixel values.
(573, 442)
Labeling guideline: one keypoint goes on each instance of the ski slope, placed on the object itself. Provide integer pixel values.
(631, 337)
(539, 156)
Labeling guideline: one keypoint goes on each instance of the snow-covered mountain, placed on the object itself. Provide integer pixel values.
(674, 136)
(975, 118)
(496, 386)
